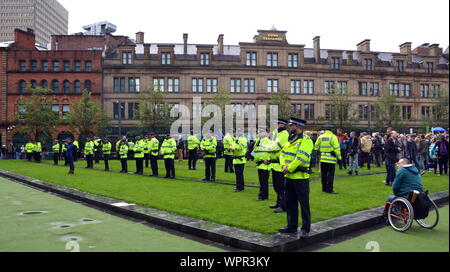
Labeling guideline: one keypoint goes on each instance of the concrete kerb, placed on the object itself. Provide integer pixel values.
(227, 235)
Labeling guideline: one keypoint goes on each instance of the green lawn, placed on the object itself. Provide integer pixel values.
(416, 239)
(46, 232)
(217, 202)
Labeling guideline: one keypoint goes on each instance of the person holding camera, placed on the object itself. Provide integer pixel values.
(70, 152)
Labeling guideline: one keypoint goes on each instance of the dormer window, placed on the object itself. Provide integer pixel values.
(204, 59)
(400, 66)
(335, 63)
(429, 67)
(127, 58)
(368, 65)
(166, 58)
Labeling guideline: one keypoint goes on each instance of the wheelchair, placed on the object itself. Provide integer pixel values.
(402, 211)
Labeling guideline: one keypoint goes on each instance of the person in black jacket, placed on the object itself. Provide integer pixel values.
(412, 151)
(392, 150)
(377, 149)
(352, 151)
(442, 150)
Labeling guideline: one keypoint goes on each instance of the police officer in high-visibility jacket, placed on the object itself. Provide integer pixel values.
(263, 146)
(89, 152)
(146, 142)
(97, 149)
(168, 148)
(209, 147)
(154, 152)
(29, 148)
(130, 149)
(106, 150)
(76, 150)
(295, 160)
(330, 154)
(239, 149)
(193, 146)
(123, 154)
(280, 137)
(228, 140)
(139, 155)
(56, 148)
(38, 152)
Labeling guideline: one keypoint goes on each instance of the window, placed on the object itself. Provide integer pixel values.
(88, 66)
(127, 58)
(436, 90)
(134, 84)
(55, 65)
(238, 110)
(66, 86)
(66, 66)
(159, 84)
(309, 112)
(272, 85)
(330, 113)
(44, 66)
(77, 66)
(308, 86)
(132, 109)
(119, 85)
(34, 66)
(65, 111)
(211, 85)
(44, 84)
(296, 86)
(335, 63)
(77, 86)
(424, 91)
(342, 86)
(88, 85)
(175, 111)
(429, 67)
(394, 89)
(196, 110)
(55, 109)
(406, 112)
(250, 59)
(55, 86)
(368, 65)
(235, 85)
(22, 66)
(329, 87)
(297, 110)
(293, 60)
(166, 58)
(272, 59)
(249, 85)
(22, 86)
(204, 59)
(362, 88)
(173, 85)
(426, 112)
(363, 113)
(197, 85)
(118, 111)
(374, 89)
(405, 90)
(399, 66)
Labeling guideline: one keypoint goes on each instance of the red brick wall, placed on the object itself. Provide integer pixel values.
(66, 42)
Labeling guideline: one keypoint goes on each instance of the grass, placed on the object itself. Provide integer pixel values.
(217, 202)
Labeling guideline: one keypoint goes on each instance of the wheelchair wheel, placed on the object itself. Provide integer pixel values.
(400, 214)
(432, 219)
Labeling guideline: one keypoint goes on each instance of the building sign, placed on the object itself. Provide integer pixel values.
(268, 36)
(272, 37)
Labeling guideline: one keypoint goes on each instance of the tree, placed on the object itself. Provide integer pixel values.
(87, 116)
(282, 100)
(387, 112)
(440, 109)
(153, 112)
(220, 99)
(35, 116)
(339, 110)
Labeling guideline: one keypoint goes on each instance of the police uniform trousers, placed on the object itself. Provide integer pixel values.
(97, 157)
(29, 156)
(139, 165)
(327, 171)
(154, 164)
(66, 162)
(37, 156)
(170, 168)
(228, 164)
(263, 184)
(56, 158)
(90, 161)
(239, 172)
(297, 191)
(75, 154)
(192, 158)
(279, 185)
(106, 160)
(210, 168)
(124, 164)
(146, 159)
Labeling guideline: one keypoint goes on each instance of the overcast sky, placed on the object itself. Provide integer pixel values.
(341, 23)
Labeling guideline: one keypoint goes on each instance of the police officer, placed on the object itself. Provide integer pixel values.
(239, 149)
(89, 152)
(97, 149)
(139, 155)
(29, 147)
(227, 142)
(56, 148)
(168, 148)
(37, 151)
(76, 150)
(261, 154)
(106, 150)
(123, 154)
(146, 142)
(295, 161)
(330, 153)
(209, 147)
(280, 137)
(130, 149)
(193, 146)
(154, 151)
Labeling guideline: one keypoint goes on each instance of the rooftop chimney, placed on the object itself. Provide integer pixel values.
(140, 37)
(349, 57)
(185, 38)
(405, 49)
(220, 42)
(364, 46)
(434, 50)
(317, 49)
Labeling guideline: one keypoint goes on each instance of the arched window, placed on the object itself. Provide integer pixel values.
(22, 86)
(55, 86)
(44, 84)
(88, 85)
(33, 84)
(66, 86)
(77, 84)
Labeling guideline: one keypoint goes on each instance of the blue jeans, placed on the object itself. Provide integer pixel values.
(390, 167)
(423, 161)
(353, 161)
(70, 162)
(18, 154)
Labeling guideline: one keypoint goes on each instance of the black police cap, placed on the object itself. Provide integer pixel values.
(298, 122)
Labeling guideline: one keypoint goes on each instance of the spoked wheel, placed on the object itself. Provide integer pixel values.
(432, 219)
(400, 214)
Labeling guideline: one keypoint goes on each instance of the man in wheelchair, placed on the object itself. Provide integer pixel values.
(407, 179)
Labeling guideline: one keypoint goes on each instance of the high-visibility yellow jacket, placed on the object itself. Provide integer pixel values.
(89, 148)
(261, 153)
(228, 140)
(146, 146)
(56, 148)
(297, 153)
(168, 148)
(139, 149)
(130, 145)
(106, 148)
(279, 140)
(239, 148)
(326, 144)
(193, 142)
(96, 145)
(154, 146)
(209, 145)
(29, 147)
(123, 151)
(38, 147)
(76, 143)
(118, 143)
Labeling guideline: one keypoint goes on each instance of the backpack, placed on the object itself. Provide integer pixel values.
(443, 148)
(421, 205)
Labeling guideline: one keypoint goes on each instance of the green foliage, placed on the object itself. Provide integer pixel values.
(440, 110)
(153, 112)
(282, 100)
(387, 112)
(339, 111)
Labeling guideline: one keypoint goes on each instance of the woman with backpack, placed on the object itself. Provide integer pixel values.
(442, 154)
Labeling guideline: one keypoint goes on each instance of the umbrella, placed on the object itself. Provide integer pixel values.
(438, 129)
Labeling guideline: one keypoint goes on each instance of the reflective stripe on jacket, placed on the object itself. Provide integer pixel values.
(297, 154)
(326, 144)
